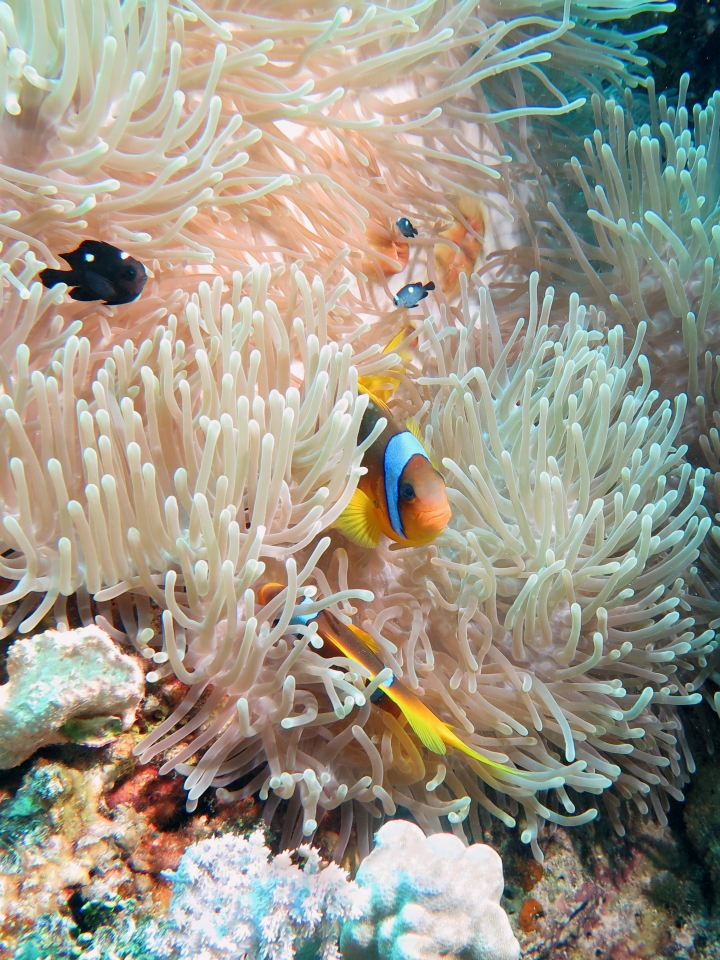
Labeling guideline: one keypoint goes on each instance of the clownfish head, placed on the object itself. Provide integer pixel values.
(422, 501)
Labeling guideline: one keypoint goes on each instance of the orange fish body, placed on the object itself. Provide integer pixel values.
(402, 495)
(450, 262)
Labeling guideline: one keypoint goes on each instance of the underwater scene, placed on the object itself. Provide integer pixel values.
(359, 480)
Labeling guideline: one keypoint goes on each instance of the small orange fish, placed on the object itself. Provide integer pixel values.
(450, 263)
(394, 252)
(350, 641)
(402, 494)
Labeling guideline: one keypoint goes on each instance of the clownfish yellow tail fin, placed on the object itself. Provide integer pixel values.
(456, 742)
(413, 427)
(358, 521)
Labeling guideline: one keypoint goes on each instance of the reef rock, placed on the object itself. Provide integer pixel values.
(430, 897)
(72, 686)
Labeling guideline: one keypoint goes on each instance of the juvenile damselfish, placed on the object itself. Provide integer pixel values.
(357, 645)
(405, 227)
(99, 271)
(402, 494)
(412, 293)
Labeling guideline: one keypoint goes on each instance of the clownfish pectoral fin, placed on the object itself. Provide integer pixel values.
(358, 521)
(414, 428)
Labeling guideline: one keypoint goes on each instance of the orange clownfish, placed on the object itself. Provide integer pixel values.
(357, 645)
(402, 494)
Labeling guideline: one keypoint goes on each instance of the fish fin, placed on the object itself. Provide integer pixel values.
(428, 737)
(413, 427)
(384, 409)
(454, 741)
(102, 288)
(49, 277)
(392, 347)
(83, 293)
(429, 285)
(365, 638)
(382, 386)
(358, 521)
(379, 387)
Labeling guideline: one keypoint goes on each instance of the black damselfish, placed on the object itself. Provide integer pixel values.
(99, 271)
(412, 293)
(405, 227)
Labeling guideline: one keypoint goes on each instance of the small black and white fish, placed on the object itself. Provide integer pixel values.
(99, 271)
(412, 293)
(405, 227)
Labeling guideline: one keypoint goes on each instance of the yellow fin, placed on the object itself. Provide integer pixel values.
(380, 387)
(429, 738)
(413, 427)
(358, 521)
(453, 741)
(365, 638)
(392, 347)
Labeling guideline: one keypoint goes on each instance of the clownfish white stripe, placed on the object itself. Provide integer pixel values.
(400, 448)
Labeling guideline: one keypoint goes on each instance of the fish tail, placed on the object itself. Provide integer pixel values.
(429, 285)
(454, 741)
(49, 277)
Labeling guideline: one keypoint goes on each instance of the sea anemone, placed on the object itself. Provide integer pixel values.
(169, 457)
(649, 179)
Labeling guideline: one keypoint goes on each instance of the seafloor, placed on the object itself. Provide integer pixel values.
(85, 835)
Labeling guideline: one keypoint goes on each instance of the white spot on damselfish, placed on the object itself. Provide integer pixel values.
(89, 257)
(124, 255)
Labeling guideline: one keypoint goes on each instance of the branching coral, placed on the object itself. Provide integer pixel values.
(233, 900)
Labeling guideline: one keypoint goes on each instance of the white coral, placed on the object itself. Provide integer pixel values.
(74, 685)
(233, 900)
(430, 898)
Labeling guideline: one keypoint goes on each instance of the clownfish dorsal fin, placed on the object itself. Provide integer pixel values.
(381, 386)
(366, 639)
(366, 385)
(413, 427)
(392, 347)
(358, 521)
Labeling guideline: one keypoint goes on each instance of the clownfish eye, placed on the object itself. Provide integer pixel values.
(130, 273)
(407, 492)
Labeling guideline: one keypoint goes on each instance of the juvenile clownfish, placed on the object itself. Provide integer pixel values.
(402, 494)
(405, 227)
(99, 271)
(357, 645)
(412, 293)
